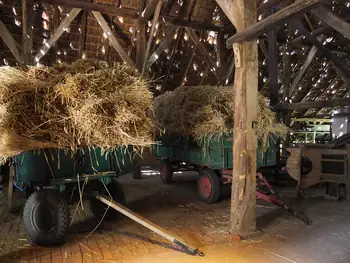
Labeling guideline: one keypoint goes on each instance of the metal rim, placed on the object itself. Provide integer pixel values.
(42, 218)
(205, 186)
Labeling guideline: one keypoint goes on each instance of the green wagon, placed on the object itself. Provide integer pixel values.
(213, 162)
(51, 178)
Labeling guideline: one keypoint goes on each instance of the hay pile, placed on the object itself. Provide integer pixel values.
(205, 113)
(87, 103)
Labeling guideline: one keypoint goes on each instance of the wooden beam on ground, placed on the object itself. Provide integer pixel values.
(342, 69)
(104, 9)
(172, 57)
(112, 39)
(151, 35)
(309, 59)
(314, 104)
(273, 66)
(58, 33)
(25, 52)
(10, 42)
(165, 44)
(332, 20)
(273, 21)
(243, 200)
(82, 36)
(192, 34)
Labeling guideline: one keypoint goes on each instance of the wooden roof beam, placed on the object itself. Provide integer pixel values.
(204, 52)
(104, 9)
(148, 12)
(275, 20)
(10, 42)
(332, 20)
(340, 67)
(314, 104)
(112, 39)
(58, 33)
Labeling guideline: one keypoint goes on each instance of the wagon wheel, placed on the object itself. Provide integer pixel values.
(46, 217)
(208, 186)
(166, 172)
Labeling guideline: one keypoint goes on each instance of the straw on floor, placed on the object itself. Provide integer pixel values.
(88, 103)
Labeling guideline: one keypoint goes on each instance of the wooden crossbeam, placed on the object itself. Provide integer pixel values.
(309, 59)
(314, 104)
(10, 42)
(104, 9)
(192, 34)
(332, 20)
(151, 35)
(166, 41)
(342, 70)
(112, 39)
(58, 33)
(149, 10)
(275, 20)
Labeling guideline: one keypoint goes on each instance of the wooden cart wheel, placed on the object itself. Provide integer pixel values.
(208, 186)
(166, 172)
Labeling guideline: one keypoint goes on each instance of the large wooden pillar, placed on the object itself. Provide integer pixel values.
(243, 200)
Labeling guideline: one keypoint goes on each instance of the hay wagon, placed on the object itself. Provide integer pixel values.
(213, 162)
(52, 179)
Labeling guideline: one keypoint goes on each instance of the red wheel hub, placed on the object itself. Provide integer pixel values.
(163, 172)
(205, 186)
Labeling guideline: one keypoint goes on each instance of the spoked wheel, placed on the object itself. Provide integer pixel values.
(46, 217)
(208, 186)
(98, 208)
(166, 172)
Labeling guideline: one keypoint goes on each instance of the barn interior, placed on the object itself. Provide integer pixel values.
(237, 140)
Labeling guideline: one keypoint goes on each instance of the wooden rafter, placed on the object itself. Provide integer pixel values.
(58, 33)
(149, 10)
(342, 70)
(273, 66)
(227, 7)
(10, 42)
(332, 20)
(82, 36)
(140, 44)
(25, 51)
(112, 39)
(314, 104)
(275, 20)
(309, 59)
(165, 44)
(151, 35)
(192, 34)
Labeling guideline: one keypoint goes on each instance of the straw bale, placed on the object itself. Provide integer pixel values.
(87, 103)
(206, 113)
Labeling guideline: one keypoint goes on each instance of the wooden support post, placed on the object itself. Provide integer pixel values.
(188, 65)
(273, 21)
(112, 39)
(25, 52)
(56, 23)
(332, 20)
(287, 74)
(10, 42)
(58, 33)
(10, 190)
(243, 200)
(220, 46)
(151, 35)
(82, 36)
(273, 67)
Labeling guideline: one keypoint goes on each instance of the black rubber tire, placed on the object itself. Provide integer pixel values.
(98, 209)
(210, 177)
(137, 173)
(166, 172)
(46, 218)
